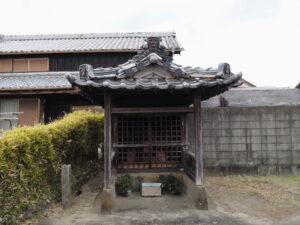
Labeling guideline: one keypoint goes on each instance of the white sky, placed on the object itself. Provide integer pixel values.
(257, 37)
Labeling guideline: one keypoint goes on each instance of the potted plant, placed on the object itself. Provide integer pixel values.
(123, 185)
(171, 184)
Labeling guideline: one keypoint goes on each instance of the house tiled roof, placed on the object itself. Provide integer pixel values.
(35, 80)
(257, 97)
(98, 42)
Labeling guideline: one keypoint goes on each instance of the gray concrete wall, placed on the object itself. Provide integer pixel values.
(264, 138)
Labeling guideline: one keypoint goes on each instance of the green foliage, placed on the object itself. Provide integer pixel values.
(123, 184)
(31, 158)
(171, 184)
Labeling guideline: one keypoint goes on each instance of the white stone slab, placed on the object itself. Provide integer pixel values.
(151, 189)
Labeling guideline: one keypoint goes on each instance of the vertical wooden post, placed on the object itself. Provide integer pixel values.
(66, 186)
(107, 141)
(198, 141)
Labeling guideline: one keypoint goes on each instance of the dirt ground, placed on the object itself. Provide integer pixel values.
(267, 197)
(233, 200)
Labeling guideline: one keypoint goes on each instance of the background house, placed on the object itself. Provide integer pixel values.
(246, 84)
(33, 69)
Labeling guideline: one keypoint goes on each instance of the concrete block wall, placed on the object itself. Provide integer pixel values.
(264, 138)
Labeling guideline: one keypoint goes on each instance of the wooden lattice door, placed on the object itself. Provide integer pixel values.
(143, 141)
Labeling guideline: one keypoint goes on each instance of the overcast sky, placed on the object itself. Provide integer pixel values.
(259, 38)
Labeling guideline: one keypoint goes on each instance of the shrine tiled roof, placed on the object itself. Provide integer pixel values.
(192, 82)
(153, 68)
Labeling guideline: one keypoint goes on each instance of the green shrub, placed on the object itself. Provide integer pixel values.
(123, 184)
(31, 158)
(171, 184)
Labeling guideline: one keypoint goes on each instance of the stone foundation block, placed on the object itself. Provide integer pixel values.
(201, 201)
(106, 201)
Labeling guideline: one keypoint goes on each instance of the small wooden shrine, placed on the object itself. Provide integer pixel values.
(146, 102)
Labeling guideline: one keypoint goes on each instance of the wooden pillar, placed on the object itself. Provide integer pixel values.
(198, 141)
(107, 141)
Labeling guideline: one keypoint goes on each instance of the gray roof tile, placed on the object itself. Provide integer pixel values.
(35, 80)
(83, 42)
(257, 97)
(158, 84)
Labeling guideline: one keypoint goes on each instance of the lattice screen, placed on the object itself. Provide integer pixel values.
(149, 141)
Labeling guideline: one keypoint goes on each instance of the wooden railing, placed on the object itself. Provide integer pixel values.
(189, 164)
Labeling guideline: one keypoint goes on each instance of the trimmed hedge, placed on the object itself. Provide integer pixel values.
(31, 158)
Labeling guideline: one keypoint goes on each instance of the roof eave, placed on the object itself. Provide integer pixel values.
(39, 91)
(176, 51)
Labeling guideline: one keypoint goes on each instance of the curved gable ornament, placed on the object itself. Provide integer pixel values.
(153, 72)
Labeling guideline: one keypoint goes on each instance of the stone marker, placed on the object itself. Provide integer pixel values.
(151, 189)
(66, 186)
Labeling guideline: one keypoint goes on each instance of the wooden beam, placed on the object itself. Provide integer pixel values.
(112, 155)
(192, 154)
(153, 110)
(147, 145)
(107, 141)
(198, 141)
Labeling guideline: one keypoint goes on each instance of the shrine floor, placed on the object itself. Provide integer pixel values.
(235, 200)
(164, 202)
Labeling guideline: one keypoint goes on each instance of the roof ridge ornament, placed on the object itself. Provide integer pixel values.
(86, 72)
(154, 45)
(223, 70)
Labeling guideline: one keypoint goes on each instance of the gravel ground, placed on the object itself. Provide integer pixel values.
(273, 198)
(148, 217)
(233, 201)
